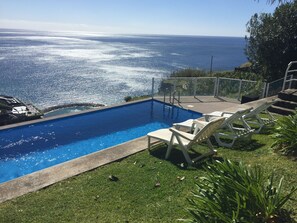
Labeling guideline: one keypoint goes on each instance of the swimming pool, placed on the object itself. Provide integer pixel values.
(34, 147)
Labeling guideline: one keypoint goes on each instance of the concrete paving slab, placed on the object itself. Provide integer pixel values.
(203, 104)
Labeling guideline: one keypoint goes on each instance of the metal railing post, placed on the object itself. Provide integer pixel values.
(153, 87)
(174, 86)
(218, 86)
(290, 83)
(288, 71)
(239, 90)
(215, 87)
(267, 89)
(264, 90)
(173, 97)
(195, 85)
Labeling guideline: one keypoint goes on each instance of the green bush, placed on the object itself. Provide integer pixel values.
(128, 98)
(189, 72)
(232, 192)
(286, 134)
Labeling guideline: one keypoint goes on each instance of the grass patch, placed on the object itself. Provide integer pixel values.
(135, 197)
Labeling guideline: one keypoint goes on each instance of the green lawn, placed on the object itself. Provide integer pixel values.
(92, 197)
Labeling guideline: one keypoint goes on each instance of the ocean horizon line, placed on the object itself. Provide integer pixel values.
(95, 33)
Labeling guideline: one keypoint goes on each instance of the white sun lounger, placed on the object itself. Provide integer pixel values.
(228, 131)
(253, 117)
(185, 140)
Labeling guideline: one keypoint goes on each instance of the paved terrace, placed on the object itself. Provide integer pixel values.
(37, 180)
(203, 104)
(207, 104)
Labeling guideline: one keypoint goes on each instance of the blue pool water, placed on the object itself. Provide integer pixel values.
(30, 148)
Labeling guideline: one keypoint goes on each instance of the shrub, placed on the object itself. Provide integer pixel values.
(285, 134)
(128, 98)
(232, 192)
(189, 72)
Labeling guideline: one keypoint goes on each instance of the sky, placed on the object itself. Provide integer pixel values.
(168, 17)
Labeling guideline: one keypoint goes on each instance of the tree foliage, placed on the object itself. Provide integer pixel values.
(272, 41)
(279, 1)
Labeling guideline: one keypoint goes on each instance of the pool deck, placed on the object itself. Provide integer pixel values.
(40, 179)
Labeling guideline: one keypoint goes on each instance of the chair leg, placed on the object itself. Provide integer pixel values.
(186, 155)
(260, 122)
(169, 148)
(245, 124)
(184, 151)
(258, 130)
(211, 152)
(210, 145)
(257, 121)
(224, 144)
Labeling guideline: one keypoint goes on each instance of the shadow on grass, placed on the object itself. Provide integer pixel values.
(267, 131)
(177, 158)
(242, 145)
(285, 216)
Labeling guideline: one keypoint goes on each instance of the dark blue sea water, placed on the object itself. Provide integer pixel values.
(48, 68)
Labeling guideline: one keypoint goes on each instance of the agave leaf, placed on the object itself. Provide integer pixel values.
(233, 192)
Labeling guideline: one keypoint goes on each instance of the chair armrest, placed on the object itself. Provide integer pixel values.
(207, 117)
(184, 135)
(227, 113)
(200, 124)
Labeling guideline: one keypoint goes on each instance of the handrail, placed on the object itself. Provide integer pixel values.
(288, 71)
(277, 80)
(182, 78)
(236, 79)
(193, 78)
(174, 92)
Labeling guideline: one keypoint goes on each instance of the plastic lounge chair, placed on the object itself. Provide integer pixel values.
(253, 117)
(185, 140)
(190, 124)
(228, 130)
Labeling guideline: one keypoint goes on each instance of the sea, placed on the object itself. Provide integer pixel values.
(56, 68)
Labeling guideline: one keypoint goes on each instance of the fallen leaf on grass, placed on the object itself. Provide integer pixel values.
(181, 178)
(157, 184)
(113, 178)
